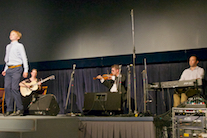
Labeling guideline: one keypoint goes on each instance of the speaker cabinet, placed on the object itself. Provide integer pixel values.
(105, 101)
(44, 105)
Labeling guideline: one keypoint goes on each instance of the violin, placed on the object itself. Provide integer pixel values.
(105, 76)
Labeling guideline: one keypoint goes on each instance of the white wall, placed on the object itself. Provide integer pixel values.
(65, 31)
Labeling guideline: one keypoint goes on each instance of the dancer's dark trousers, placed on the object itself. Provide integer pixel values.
(11, 87)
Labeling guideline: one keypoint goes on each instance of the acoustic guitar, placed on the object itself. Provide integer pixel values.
(25, 91)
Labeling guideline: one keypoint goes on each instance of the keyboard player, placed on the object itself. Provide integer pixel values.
(194, 72)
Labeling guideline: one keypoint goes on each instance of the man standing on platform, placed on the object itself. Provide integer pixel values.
(14, 58)
(194, 72)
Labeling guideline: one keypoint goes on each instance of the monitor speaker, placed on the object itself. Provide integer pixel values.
(105, 101)
(44, 105)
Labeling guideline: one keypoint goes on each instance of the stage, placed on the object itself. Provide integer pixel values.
(62, 126)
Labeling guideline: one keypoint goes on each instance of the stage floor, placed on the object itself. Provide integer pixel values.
(39, 127)
(63, 126)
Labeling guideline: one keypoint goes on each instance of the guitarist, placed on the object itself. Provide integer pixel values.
(26, 83)
(33, 78)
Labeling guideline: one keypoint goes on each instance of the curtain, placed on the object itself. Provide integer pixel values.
(83, 82)
(116, 129)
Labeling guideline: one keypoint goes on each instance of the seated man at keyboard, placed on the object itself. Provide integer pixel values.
(194, 72)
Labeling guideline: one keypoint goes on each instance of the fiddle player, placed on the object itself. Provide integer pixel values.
(112, 81)
(194, 72)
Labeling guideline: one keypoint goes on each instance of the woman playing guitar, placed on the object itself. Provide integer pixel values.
(27, 84)
(33, 78)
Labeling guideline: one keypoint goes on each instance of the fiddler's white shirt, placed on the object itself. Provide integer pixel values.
(114, 87)
(188, 74)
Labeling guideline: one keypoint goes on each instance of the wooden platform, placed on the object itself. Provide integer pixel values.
(39, 127)
(62, 126)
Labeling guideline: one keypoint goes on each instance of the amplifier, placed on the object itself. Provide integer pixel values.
(189, 133)
(45, 105)
(192, 122)
(189, 111)
(104, 101)
(188, 122)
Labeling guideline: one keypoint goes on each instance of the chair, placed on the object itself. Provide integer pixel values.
(2, 96)
(2, 99)
(44, 89)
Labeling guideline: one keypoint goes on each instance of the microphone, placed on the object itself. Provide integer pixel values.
(73, 72)
(132, 12)
(128, 68)
(74, 65)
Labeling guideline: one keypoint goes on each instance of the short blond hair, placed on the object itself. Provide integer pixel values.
(18, 33)
(115, 66)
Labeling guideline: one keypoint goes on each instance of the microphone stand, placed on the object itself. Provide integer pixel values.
(129, 90)
(119, 80)
(134, 57)
(145, 86)
(69, 91)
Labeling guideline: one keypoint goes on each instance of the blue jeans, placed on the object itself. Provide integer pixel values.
(11, 86)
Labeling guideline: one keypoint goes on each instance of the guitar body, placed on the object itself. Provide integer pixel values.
(25, 91)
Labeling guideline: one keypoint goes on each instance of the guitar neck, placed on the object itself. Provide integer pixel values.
(46, 79)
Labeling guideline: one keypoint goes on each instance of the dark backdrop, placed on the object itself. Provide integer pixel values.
(83, 82)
